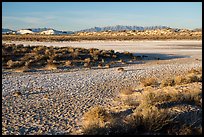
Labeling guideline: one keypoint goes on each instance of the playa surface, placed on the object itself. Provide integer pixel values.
(53, 103)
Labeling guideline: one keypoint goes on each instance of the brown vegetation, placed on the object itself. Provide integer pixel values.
(149, 82)
(21, 58)
(158, 110)
(163, 34)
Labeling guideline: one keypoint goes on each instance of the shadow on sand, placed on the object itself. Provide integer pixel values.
(158, 56)
(141, 58)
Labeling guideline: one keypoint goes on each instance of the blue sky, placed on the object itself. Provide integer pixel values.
(81, 15)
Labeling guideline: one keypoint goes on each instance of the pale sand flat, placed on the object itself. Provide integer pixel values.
(70, 94)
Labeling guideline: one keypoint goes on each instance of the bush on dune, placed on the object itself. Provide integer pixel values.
(151, 110)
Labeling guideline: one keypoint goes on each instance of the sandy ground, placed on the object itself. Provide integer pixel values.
(153, 48)
(71, 94)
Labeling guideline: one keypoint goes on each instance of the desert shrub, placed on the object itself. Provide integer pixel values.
(107, 66)
(40, 49)
(196, 71)
(127, 91)
(153, 120)
(120, 69)
(96, 52)
(128, 53)
(96, 116)
(86, 64)
(114, 56)
(87, 60)
(130, 101)
(75, 54)
(50, 66)
(14, 64)
(193, 78)
(70, 49)
(167, 82)
(95, 58)
(149, 82)
(180, 80)
(157, 97)
(100, 65)
(91, 50)
(68, 63)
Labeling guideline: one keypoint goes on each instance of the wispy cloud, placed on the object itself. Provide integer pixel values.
(43, 20)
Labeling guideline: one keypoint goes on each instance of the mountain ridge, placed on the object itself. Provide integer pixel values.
(93, 29)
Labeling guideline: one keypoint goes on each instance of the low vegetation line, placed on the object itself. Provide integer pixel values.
(22, 58)
(127, 35)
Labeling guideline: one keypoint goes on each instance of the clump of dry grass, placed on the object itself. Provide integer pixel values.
(14, 64)
(167, 82)
(114, 56)
(149, 82)
(120, 69)
(96, 116)
(50, 65)
(196, 71)
(95, 58)
(179, 80)
(70, 49)
(87, 65)
(100, 65)
(127, 91)
(192, 76)
(107, 66)
(87, 60)
(68, 63)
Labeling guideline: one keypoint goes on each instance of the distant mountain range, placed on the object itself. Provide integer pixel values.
(35, 31)
(95, 29)
(4, 31)
(121, 28)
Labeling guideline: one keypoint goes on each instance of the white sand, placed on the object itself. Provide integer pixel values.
(191, 47)
(71, 94)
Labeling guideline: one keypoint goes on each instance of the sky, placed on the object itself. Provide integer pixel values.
(73, 16)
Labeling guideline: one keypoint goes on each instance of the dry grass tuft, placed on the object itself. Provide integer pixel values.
(96, 116)
(192, 76)
(167, 82)
(149, 82)
(50, 66)
(178, 80)
(127, 91)
(87, 60)
(100, 65)
(107, 66)
(120, 69)
(87, 65)
(68, 63)
(14, 64)
(196, 71)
